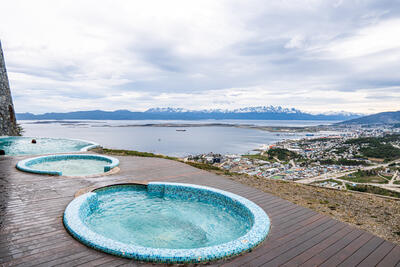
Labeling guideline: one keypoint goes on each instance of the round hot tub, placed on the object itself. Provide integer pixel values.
(69, 164)
(166, 222)
(21, 145)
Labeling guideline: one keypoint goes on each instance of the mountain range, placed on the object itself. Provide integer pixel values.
(379, 118)
(248, 113)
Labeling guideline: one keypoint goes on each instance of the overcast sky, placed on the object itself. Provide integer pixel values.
(312, 55)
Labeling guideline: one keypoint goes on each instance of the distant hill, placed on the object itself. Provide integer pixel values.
(379, 118)
(249, 113)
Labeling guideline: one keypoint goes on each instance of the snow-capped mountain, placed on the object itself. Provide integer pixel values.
(266, 109)
(170, 110)
(342, 113)
(258, 109)
(168, 113)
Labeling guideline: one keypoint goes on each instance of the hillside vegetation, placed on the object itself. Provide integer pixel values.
(379, 118)
(280, 153)
(377, 147)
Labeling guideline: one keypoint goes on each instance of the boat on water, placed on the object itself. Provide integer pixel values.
(181, 130)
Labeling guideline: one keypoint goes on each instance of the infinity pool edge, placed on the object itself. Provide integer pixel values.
(90, 145)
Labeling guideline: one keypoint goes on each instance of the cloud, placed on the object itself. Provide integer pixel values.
(295, 42)
(381, 37)
(313, 55)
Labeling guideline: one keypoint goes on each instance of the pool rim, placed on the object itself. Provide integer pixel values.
(91, 145)
(23, 165)
(256, 235)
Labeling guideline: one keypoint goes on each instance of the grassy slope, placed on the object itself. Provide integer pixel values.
(366, 179)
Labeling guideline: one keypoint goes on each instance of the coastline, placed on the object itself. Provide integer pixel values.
(275, 128)
(286, 129)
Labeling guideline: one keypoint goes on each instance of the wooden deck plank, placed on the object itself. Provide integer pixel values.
(103, 260)
(292, 218)
(70, 260)
(321, 257)
(274, 243)
(33, 239)
(377, 255)
(19, 251)
(283, 257)
(295, 226)
(348, 250)
(286, 245)
(31, 230)
(306, 255)
(114, 263)
(362, 252)
(77, 259)
(43, 255)
(391, 259)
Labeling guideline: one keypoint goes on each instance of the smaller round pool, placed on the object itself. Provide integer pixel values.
(69, 164)
(166, 222)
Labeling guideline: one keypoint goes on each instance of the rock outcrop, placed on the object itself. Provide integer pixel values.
(8, 124)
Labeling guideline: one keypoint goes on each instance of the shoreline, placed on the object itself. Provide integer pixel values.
(287, 129)
(276, 128)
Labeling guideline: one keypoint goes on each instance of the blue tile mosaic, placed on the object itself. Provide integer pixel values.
(26, 164)
(83, 205)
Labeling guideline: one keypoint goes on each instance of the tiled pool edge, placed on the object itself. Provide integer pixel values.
(88, 147)
(256, 235)
(24, 165)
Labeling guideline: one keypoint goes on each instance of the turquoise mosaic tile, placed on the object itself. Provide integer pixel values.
(25, 165)
(83, 205)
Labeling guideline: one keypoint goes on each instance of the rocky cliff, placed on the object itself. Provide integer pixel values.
(8, 125)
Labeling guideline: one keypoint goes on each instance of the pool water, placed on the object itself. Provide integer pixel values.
(72, 167)
(17, 145)
(144, 219)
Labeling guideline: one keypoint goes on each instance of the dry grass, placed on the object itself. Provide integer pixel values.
(374, 214)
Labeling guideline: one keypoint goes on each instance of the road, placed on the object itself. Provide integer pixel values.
(389, 186)
(336, 175)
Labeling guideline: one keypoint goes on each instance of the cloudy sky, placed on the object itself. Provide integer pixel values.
(313, 55)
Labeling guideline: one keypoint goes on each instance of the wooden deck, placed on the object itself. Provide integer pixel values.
(32, 233)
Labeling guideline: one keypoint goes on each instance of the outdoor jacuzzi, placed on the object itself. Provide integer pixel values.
(166, 222)
(69, 164)
(19, 145)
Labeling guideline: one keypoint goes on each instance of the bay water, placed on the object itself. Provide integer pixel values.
(171, 141)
